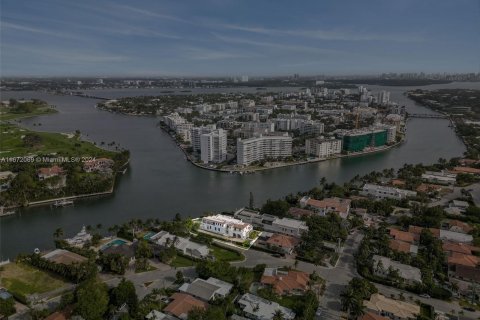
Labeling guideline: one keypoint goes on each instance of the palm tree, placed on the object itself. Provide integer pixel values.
(278, 315)
(58, 233)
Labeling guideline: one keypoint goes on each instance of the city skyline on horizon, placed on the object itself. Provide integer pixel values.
(229, 38)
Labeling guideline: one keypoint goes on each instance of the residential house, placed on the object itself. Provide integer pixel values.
(372, 316)
(288, 226)
(336, 205)
(442, 177)
(157, 315)
(261, 309)
(445, 235)
(299, 213)
(49, 172)
(182, 304)
(47, 175)
(226, 226)
(384, 192)
(456, 226)
(124, 249)
(393, 309)
(64, 257)
(103, 165)
(401, 246)
(207, 290)
(460, 205)
(286, 282)
(282, 243)
(467, 170)
(6, 178)
(184, 245)
(383, 265)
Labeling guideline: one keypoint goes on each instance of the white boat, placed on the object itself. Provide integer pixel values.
(62, 203)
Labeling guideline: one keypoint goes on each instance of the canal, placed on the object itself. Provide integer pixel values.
(160, 182)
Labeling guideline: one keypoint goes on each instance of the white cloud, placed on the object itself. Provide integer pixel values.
(328, 34)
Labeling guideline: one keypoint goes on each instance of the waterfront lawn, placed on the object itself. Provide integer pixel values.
(22, 280)
(181, 261)
(14, 144)
(223, 254)
(8, 114)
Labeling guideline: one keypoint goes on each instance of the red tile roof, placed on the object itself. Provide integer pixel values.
(55, 170)
(400, 246)
(299, 212)
(460, 224)
(283, 241)
(183, 303)
(466, 170)
(372, 316)
(402, 235)
(459, 247)
(285, 283)
(456, 258)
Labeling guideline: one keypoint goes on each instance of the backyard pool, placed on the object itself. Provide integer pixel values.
(113, 243)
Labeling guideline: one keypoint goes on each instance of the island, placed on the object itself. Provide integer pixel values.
(50, 168)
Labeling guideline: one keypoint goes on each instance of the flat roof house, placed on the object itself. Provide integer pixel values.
(226, 226)
(261, 309)
(393, 309)
(381, 266)
(187, 247)
(383, 192)
(64, 257)
(288, 226)
(207, 290)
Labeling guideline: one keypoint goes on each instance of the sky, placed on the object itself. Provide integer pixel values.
(237, 37)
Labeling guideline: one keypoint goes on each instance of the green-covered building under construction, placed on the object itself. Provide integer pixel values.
(359, 140)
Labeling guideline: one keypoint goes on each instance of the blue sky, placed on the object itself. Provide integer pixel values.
(236, 37)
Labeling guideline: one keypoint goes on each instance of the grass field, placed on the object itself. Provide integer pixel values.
(37, 112)
(222, 254)
(181, 261)
(12, 144)
(22, 280)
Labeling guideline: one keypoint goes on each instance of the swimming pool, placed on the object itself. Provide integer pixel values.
(114, 243)
(148, 235)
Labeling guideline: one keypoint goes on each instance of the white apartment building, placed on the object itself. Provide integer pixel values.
(259, 148)
(173, 119)
(226, 226)
(184, 131)
(382, 192)
(311, 127)
(269, 126)
(323, 148)
(213, 146)
(196, 132)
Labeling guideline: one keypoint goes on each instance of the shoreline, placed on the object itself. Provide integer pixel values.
(110, 191)
(298, 163)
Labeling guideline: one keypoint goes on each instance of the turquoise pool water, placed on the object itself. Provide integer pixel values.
(116, 242)
(148, 235)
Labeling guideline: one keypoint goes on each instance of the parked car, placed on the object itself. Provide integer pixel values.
(424, 295)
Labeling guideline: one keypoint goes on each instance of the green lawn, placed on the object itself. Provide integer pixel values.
(222, 254)
(5, 115)
(22, 279)
(12, 144)
(181, 261)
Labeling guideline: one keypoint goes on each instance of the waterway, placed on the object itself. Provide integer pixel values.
(160, 182)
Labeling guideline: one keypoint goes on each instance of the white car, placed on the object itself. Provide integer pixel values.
(424, 295)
